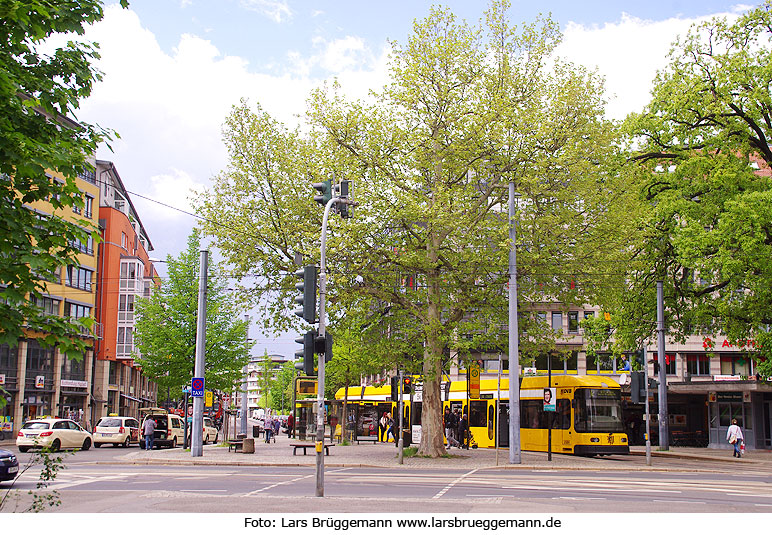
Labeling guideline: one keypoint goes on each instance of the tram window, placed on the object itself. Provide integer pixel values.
(530, 413)
(417, 413)
(563, 417)
(477, 413)
(598, 410)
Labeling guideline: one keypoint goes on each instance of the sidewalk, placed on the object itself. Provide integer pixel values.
(385, 455)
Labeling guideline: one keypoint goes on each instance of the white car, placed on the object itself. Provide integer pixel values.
(116, 430)
(209, 432)
(54, 434)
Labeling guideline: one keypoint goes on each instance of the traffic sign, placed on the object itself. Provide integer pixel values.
(197, 387)
(208, 398)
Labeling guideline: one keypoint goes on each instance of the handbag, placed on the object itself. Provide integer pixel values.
(732, 439)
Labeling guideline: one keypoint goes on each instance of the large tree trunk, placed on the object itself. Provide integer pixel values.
(432, 443)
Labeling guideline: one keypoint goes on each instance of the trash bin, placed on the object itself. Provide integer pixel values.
(255, 431)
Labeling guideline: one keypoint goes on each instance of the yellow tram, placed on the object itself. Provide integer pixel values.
(587, 419)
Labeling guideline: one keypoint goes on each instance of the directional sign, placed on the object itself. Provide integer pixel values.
(197, 387)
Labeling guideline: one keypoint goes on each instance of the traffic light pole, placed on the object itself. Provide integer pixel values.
(320, 416)
(197, 427)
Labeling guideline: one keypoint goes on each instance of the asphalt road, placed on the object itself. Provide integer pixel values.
(91, 484)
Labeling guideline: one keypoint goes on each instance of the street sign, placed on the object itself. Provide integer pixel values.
(197, 387)
(208, 398)
(474, 381)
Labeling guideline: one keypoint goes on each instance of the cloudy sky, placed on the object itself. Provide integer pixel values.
(173, 69)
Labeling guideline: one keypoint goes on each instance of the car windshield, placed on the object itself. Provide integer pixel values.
(109, 422)
(598, 410)
(36, 425)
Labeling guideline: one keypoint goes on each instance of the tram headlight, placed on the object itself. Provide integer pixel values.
(624, 440)
(594, 439)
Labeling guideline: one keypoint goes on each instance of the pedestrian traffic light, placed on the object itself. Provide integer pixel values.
(325, 192)
(305, 357)
(395, 388)
(637, 385)
(407, 385)
(307, 297)
(323, 346)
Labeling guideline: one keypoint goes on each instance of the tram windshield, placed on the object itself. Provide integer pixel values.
(598, 410)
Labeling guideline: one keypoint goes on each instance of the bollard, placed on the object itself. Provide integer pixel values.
(248, 446)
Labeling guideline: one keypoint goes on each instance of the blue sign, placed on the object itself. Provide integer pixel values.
(197, 387)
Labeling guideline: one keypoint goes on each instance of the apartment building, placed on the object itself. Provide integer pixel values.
(125, 274)
(43, 381)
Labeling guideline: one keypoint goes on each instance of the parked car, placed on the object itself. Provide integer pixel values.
(9, 465)
(53, 433)
(209, 432)
(116, 430)
(169, 430)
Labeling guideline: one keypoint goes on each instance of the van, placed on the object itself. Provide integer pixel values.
(169, 430)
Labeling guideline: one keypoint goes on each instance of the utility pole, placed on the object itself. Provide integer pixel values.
(196, 446)
(245, 385)
(514, 359)
(648, 413)
(662, 397)
(400, 442)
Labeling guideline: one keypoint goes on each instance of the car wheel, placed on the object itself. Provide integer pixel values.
(126, 442)
(214, 440)
(55, 445)
(86, 444)
(174, 442)
(97, 444)
(24, 449)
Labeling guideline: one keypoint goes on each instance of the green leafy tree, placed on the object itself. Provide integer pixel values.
(704, 163)
(468, 109)
(165, 332)
(280, 390)
(39, 93)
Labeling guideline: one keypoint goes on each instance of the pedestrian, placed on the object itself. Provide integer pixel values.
(148, 429)
(735, 437)
(276, 428)
(391, 427)
(383, 427)
(268, 427)
(449, 428)
(463, 427)
(290, 424)
(454, 426)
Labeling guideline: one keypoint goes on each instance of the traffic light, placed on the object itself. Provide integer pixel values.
(305, 356)
(394, 388)
(637, 386)
(323, 346)
(325, 192)
(639, 358)
(343, 193)
(407, 385)
(307, 297)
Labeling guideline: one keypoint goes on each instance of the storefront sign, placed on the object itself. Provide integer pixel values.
(73, 384)
(726, 377)
(40, 381)
(730, 396)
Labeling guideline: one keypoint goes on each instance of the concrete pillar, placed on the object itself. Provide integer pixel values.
(56, 398)
(21, 378)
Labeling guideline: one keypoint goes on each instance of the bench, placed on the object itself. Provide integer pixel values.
(305, 446)
(236, 445)
(367, 438)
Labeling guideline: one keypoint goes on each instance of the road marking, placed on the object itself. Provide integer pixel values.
(678, 501)
(575, 498)
(763, 504)
(450, 486)
(287, 482)
(582, 489)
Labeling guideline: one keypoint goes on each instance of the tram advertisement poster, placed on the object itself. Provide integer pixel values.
(549, 399)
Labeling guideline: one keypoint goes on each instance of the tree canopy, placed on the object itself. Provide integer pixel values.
(703, 159)
(165, 332)
(467, 110)
(39, 96)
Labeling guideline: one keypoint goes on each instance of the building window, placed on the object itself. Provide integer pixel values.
(600, 363)
(8, 359)
(697, 364)
(88, 208)
(124, 240)
(670, 361)
(87, 247)
(48, 305)
(573, 322)
(74, 369)
(39, 358)
(126, 307)
(125, 342)
(732, 364)
(78, 277)
(557, 321)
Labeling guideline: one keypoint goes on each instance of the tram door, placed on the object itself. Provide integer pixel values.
(503, 424)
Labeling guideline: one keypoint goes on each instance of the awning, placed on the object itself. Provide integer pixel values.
(131, 398)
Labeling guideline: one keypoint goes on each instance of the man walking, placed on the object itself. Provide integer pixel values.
(148, 429)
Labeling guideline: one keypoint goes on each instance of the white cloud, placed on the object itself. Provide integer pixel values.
(276, 10)
(628, 53)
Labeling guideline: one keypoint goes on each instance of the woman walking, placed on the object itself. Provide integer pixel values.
(735, 437)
